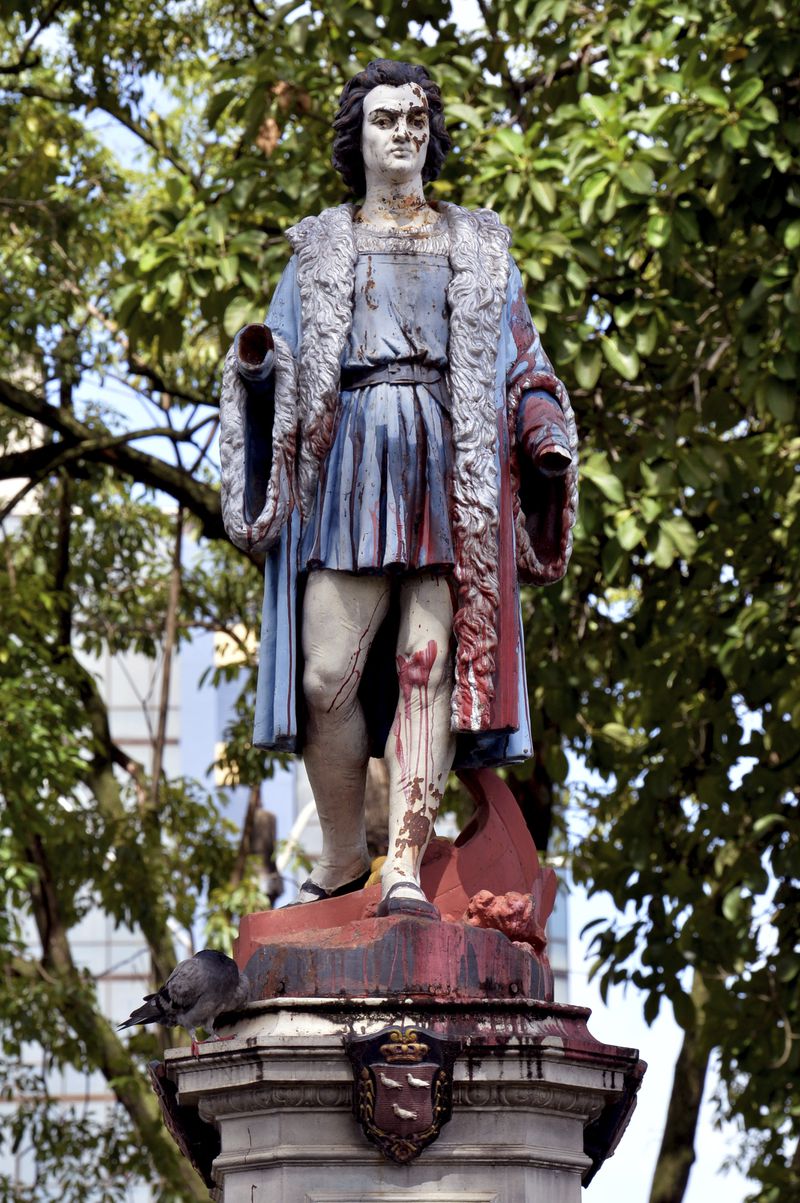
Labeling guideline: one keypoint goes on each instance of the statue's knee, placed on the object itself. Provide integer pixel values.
(428, 666)
(322, 686)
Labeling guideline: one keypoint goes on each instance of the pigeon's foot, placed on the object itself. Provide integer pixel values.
(311, 892)
(406, 898)
(195, 1047)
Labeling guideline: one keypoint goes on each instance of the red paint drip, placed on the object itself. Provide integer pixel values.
(416, 669)
(413, 672)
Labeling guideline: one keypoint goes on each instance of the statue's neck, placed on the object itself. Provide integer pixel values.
(395, 205)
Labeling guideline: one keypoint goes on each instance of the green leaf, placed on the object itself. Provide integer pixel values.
(239, 312)
(684, 1009)
(681, 534)
(659, 229)
(217, 105)
(766, 822)
(595, 106)
(712, 96)
(510, 140)
(625, 362)
(588, 365)
(596, 469)
(543, 193)
(791, 235)
(746, 92)
(781, 398)
(665, 552)
(618, 734)
(556, 763)
(512, 184)
(646, 338)
(733, 904)
(637, 177)
(465, 113)
(629, 533)
(595, 185)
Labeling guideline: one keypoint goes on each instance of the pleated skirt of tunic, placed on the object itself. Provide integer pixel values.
(383, 497)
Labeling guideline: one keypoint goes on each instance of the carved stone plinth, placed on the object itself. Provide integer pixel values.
(537, 1103)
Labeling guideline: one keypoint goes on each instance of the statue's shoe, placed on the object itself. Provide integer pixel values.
(319, 894)
(418, 907)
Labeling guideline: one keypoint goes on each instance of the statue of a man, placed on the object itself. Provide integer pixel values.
(396, 441)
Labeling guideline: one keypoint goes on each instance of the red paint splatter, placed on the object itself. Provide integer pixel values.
(416, 669)
(413, 672)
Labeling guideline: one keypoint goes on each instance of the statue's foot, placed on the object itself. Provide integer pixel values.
(311, 892)
(406, 898)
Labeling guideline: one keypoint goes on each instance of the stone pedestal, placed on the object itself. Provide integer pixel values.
(477, 1087)
(537, 1104)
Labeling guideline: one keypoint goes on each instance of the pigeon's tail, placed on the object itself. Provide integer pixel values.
(153, 1011)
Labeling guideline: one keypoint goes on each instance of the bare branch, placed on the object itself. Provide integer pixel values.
(170, 640)
(570, 66)
(198, 498)
(76, 98)
(24, 62)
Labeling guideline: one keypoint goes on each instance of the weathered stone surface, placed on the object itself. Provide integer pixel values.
(399, 957)
(538, 1103)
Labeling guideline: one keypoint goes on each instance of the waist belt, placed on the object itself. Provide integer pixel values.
(399, 372)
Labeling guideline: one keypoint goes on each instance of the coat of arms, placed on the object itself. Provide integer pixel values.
(403, 1088)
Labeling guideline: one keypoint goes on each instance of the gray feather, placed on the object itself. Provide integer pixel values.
(195, 993)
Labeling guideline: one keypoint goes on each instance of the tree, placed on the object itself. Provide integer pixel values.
(646, 158)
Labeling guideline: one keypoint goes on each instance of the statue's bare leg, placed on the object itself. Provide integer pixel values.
(420, 749)
(341, 615)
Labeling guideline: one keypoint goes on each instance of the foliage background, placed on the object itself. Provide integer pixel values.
(645, 156)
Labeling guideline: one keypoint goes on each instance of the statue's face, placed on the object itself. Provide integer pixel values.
(395, 133)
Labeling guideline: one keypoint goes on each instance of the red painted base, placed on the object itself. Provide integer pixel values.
(400, 958)
(338, 948)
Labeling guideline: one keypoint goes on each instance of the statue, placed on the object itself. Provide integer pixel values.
(394, 439)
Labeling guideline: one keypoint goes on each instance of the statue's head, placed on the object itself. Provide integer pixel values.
(348, 125)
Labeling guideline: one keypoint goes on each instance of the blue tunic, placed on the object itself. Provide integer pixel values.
(409, 416)
(383, 497)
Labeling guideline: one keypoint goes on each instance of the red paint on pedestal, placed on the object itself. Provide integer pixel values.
(339, 947)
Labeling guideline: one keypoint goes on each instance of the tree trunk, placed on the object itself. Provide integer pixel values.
(103, 1047)
(676, 1156)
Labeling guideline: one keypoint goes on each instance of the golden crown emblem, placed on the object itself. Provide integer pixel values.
(404, 1046)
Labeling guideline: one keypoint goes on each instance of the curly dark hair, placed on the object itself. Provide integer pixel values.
(347, 157)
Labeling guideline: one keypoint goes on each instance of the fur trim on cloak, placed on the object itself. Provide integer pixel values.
(264, 529)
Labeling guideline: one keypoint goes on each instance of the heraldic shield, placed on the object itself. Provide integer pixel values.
(403, 1088)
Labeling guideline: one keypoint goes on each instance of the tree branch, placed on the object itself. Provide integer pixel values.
(170, 640)
(103, 1046)
(570, 66)
(23, 62)
(76, 98)
(676, 1155)
(198, 498)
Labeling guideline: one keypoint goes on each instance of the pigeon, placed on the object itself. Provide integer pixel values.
(195, 993)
